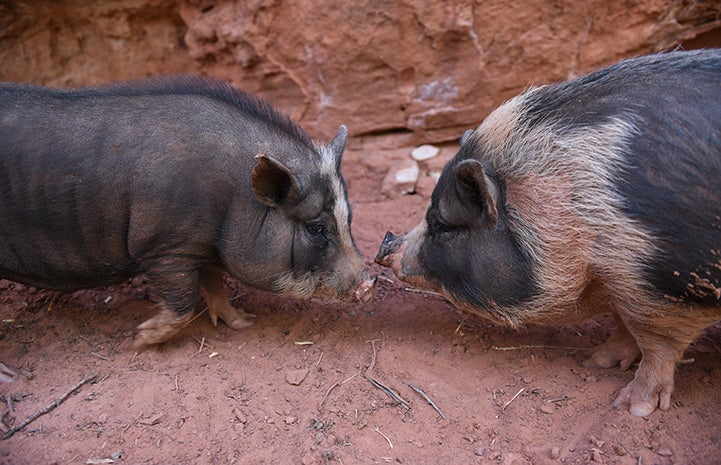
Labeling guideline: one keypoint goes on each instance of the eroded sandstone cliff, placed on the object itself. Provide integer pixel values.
(424, 69)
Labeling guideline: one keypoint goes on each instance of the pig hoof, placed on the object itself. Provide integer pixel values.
(610, 360)
(160, 328)
(614, 352)
(241, 322)
(637, 408)
(231, 316)
(642, 397)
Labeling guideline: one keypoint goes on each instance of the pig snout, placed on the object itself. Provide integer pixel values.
(391, 243)
(365, 291)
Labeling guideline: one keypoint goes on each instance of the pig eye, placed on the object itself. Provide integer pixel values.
(440, 228)
(316, 229)
(318, 234)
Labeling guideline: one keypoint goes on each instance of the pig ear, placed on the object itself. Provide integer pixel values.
(465, 136)
(337, 145)
(475, 186)
(272, 182)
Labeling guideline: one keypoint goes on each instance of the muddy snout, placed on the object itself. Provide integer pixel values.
(366, 290)
(391, 243)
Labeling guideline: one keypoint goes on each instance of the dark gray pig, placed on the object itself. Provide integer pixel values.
(179, 178)
(599, 194)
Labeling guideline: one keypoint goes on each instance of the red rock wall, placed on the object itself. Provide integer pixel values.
(423, 69)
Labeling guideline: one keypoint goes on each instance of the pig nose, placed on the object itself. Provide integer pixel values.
(390, 244)
(365, 292)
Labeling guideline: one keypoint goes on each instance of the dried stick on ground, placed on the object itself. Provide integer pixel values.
(389, 392)
(428, 399)
(49, 407)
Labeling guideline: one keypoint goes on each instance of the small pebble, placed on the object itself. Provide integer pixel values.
(555, 453)
(424, 152)
(547, 409)
(479, 451)
(401, 178)
(664, 452)
(295, 377)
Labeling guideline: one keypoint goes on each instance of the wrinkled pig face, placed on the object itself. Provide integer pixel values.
(312, 223)
(462, 248)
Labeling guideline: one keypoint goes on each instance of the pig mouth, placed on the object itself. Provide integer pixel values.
(365, 292)
(313, 285)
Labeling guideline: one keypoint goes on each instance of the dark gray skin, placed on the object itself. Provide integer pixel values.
(601, 194)
(182, 179)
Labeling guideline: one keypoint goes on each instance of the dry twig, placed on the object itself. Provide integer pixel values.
(373, 360)
(538, 347)
(49, 407)
(378, 430)
(423, 291)
(428, 399)
(389, 392)
(512, 399)
(335, 385)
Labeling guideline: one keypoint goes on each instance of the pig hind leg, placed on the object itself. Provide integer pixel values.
(620, 349)
(211, 282)
(662, 338)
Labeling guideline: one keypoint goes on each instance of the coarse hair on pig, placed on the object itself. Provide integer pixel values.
(599, 194)
(565, 212)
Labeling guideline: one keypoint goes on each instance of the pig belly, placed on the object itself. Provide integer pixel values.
(59, 265)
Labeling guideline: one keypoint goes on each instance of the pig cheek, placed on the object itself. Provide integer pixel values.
(260, 262)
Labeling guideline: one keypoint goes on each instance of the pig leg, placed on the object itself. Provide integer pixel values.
(620, 349)
(662, 337)
(211, 281)
(178, 293)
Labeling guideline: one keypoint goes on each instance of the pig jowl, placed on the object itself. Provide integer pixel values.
(601, 194)
(182, 179)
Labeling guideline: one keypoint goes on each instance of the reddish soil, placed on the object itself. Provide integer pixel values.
(215, 395)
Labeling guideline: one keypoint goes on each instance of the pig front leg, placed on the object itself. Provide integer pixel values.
(211, 281)
(662, 338)
(177, 291)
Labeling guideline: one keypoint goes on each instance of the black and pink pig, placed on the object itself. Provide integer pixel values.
(599, 194)
(182, 179)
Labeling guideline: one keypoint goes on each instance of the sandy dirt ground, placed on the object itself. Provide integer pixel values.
(306, 384)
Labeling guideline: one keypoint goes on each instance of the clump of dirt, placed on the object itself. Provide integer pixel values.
(316, 383)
